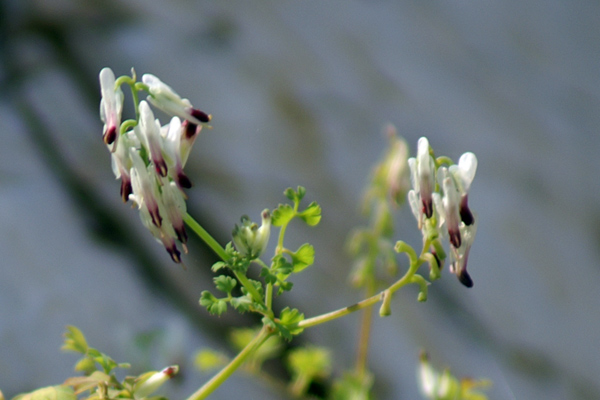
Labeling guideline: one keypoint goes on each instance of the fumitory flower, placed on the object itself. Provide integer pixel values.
(111, 106)
(422, 170)
(149, 158)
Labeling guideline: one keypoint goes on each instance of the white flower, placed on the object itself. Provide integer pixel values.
(145, 191)
(172, 140)
(149, 132)
(165, 98)
(463, 173)
(423, 181)
(150, 382)
(111, 106)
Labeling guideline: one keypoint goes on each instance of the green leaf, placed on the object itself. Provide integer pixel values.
(225, 283)
(288, 323)
(303, 257)
(268, 276)
(107, 363)
(59, 392)
(310, 362)
(207, 359)
(295, 195)
(312, 214)
(218, 265)
(213, 305)
(282, 266)
(282, 215)
(242, 303)
(75, 340)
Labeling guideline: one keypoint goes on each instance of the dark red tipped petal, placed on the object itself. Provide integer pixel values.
(126, 189)
(181, 234)
(465, 278)
(174, 253)
(156, 218)
(161, 167)
(200, 115)
(466, 215)
(110, 135)
(427, 207)
(189, 129)
(454, 238)
(183, 180)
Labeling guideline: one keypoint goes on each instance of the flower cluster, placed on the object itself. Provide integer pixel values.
(148, 157)
(439, 202)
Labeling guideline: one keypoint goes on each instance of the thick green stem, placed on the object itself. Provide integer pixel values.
(233, 365)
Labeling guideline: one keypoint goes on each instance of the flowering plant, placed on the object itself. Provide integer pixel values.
(149, 159)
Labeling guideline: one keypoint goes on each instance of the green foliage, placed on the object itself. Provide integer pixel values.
(59, 392)
(75, 341)
(214, 305)
(282, 215)
(353, 386)
(303, 257)
(287, 323)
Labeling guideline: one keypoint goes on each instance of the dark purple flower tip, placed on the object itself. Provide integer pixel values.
(466, 215)
(465, 278)
(437, 258)
(174, 253)
(189, 129)
(428, 207)
(200, 115)
(161, 167)
(454, 238)
(183, 180)
(156, 218)
(126, 189)
(110, 135)
(181, 234)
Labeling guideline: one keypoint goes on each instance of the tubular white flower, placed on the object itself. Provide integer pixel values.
(111, 106)
(150, 382)
(149, 131)
(460, 255)
(172, 139)
(144, 186)
(165, 98)
(422, 170)
(463, 174)
(450, 203)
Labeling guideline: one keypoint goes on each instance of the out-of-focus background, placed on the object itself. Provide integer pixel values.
(300, 92)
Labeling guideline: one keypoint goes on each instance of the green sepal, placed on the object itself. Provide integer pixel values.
(303, 257)
(312, 214)
(225, 283)
(282, 215)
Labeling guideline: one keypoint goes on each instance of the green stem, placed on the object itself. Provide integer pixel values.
(206, 237)
(220, 251)
(368, 302)
(233, 365)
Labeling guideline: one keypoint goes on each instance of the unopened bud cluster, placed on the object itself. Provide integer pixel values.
(250, 239)
(149, 157)
(439, 202)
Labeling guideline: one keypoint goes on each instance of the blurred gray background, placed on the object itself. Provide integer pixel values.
(300, 92)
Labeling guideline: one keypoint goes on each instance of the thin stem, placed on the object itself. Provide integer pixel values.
(368, 302)
(220, 251)
(205, 236)
(365, 334)
(233, 365)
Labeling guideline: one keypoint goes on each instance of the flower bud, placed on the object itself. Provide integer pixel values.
(250, 239)
(150, 382)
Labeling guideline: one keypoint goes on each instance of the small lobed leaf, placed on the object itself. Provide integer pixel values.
(242, 303)
(75, 340)
(288, 323)
(282, 266)
(218, 265)
(303, 257)
(225, 283)
(312, 214)
(213, 305)
(266, 274)
(282, 215)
